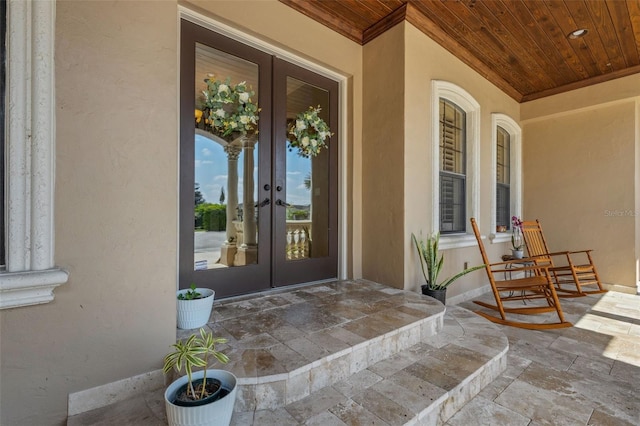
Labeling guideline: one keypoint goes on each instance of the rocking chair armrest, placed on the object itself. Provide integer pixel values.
(521, 268)
(563, 253)
(523, 260)
(580, 251)
(555, 253)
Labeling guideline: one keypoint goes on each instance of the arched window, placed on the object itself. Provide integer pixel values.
(456, 141)
(506, 175)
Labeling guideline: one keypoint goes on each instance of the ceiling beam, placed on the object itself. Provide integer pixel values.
(384, 24)
(582, 83)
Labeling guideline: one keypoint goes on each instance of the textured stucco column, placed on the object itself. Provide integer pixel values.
(247, 253)
(229, 247)
(249, 215)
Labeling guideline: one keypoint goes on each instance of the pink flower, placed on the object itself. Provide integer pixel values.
(517, 223)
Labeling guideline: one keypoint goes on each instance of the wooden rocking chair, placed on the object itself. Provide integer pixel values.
(577, 269)
(535, 284)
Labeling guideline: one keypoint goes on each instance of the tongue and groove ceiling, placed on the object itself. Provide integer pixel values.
(521, 46)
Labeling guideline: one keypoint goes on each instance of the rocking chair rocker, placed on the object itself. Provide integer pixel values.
(573, 271)
(535, 284)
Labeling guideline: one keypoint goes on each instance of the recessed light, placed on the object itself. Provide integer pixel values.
(578, 33)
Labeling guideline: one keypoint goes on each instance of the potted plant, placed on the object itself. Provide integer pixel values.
(194, 306)
(204, 397)
(431, 265)
(516, 238)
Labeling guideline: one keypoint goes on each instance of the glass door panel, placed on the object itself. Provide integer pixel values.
(226, 165)
(307, 182)
(223, 164)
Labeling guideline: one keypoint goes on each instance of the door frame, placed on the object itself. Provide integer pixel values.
(345, 191)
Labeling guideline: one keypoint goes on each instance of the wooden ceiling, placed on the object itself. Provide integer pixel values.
(521, 46)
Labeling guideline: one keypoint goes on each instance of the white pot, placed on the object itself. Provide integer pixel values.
(517, 254)
(195, 313)
(217, 413)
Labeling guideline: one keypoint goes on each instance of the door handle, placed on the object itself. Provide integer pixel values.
(279, 202)
(264, 202)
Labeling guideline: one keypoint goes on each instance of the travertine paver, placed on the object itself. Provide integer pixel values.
(424, 384)
(315, 336)
(579, 375)
(481, 411)
(594, 389)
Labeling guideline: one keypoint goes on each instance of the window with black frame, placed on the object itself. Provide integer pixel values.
(503, 181)
(452, 168)
(3, 55)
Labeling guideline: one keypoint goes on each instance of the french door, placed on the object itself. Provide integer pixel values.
(256, 212)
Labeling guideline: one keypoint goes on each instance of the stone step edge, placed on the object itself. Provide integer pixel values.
(278, 390)
(446, 406)
(443, 408)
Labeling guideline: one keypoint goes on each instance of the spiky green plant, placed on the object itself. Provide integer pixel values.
(195, 352)
(431, 264)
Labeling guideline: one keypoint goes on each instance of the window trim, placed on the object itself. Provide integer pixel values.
(515, 175)
(462, 98)
(30, 275)
(3, 80)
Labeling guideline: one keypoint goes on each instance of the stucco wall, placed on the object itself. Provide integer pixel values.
(383, 158)
(427, 61)
(116, 195)
(115, 212)
(580, 166)
(399, 67)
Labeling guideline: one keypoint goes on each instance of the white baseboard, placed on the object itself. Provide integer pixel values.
(619, 288)
(103, 395)
(468, 295)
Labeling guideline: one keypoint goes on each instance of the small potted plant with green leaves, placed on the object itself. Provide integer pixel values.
(204, 397)
(194, 307)
(431, 262)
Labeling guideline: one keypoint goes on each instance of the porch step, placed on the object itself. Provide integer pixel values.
(424, 384)
(287, 345)
(350, 352)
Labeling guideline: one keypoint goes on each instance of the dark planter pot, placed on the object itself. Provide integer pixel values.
(439, 295)
(207, 400)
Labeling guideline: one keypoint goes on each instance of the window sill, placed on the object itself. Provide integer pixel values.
(456, 241)
(29, 288)
(500, 237)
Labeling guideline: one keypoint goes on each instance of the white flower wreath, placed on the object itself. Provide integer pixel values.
(228, 110)
(308, 133)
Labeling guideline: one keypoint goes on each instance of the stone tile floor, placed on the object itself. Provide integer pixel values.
(270, 336)
(584, 375)
(421, 385)
(588, 374)
(286, 344)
